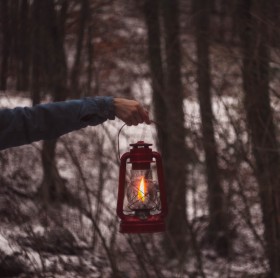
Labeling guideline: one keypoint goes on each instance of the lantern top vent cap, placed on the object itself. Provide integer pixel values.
(140, 144)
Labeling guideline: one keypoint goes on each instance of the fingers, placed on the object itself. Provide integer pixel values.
(131, 112)
(140, 115)
(134, 118)
(143, 113)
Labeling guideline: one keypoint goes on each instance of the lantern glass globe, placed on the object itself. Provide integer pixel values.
(142, 191)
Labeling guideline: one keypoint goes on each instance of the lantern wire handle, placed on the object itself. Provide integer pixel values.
(119, 155)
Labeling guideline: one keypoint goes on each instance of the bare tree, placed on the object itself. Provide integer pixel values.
(6, 41)
(23, 46)
(255, 52)
(217, 230)
(84, 16)
(151, 10)
(176, 160)
(168, 100)
(53, 187)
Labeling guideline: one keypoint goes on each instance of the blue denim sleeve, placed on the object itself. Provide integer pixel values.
(23, 125)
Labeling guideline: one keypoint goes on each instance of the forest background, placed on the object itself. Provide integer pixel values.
(208, 71)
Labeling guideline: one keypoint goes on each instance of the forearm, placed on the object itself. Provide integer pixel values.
(21, 126)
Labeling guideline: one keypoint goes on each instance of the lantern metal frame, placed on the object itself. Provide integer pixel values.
(140, 157)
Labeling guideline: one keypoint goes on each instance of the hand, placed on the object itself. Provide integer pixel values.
(131, 112)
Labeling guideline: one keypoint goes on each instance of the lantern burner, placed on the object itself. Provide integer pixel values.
(142, 214)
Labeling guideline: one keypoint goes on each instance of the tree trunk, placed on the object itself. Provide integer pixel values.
(254, 18)
(53, 186)
(23, 47)
(90, 57)
(217, 230)
(6, 44)
(151, 10)
(75, 74)
(167, 100)
(176, 160)
(36, 51)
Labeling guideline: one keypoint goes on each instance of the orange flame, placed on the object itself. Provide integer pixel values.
(142, 190)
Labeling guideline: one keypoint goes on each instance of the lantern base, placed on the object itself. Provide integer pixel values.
(138, 227)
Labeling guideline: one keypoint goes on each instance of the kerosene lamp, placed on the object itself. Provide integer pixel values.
(142, 205)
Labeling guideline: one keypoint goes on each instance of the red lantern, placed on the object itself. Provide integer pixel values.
(145, 202)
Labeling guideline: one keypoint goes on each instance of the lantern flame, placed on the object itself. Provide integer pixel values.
(142, 190)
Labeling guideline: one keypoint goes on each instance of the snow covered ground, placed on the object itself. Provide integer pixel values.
(29, 243)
